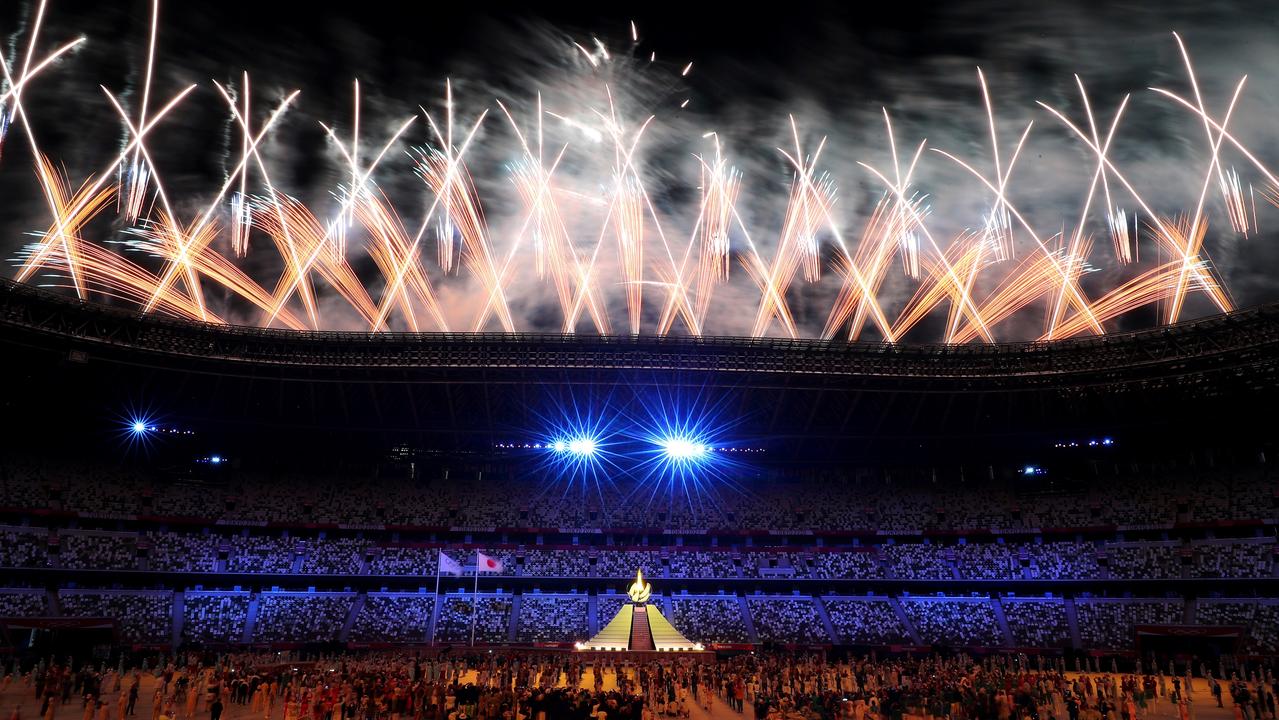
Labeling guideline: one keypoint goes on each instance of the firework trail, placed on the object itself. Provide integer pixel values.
(721, 185)
(553, 249)
(241, 212)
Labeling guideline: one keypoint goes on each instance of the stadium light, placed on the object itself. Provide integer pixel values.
(683, 449)
(582, 447)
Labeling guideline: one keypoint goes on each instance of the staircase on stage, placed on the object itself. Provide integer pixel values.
(639, 627)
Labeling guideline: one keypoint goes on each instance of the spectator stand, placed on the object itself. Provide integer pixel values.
(1108, 623)
(1037, 622)
(24, 547)
(285, 618)
(1235, 558)
(791, 620)
(24, 603)
(954, 621)
(711, 620)
(97, 550)
(552, 619)
(214, 617)
(139, 616)
(492, 618)
(866, 620)
(180, 552)
(386, 618)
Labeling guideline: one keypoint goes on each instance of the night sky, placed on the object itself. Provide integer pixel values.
(833, 67)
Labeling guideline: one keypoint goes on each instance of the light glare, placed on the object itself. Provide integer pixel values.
(678, 448)
(579, 446)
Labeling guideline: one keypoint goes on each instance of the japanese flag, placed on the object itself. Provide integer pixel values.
(484, 563)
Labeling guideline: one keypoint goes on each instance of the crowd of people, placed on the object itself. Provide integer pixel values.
(569, 686)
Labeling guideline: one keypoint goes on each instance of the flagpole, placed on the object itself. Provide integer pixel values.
(475, 596)
(437, 598)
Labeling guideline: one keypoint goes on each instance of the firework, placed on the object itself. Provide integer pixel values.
(608, 248)
(553, 249)
(137, 177)
(720, 187)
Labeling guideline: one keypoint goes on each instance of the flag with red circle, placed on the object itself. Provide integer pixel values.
(486, 564)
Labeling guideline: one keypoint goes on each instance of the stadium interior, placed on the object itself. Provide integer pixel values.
(170, 487)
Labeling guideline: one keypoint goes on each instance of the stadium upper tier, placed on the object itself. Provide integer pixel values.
(495, 498)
